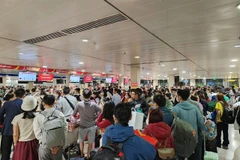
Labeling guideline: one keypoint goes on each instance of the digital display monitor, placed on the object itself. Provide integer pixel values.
(108, 80)
(74, 79)
(114, 80)
(27, 76)
(45, 77)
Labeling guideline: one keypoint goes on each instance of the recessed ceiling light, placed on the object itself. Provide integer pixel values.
(232, 66)
(83, 70)
(94, 77)
(230, 72)
(214, 40)
(194, 75)
(183, 71)
(174, 69)
(162, 65)
(81, 62)
(148, 73)
(204, 78)
(57, 72)
(85, 40)
(238, 6)
(158, 75)
(21, 53)
(103, 72)
(44, 66)
(166, 76)
(120, 74)
(234, 60)
(237, 46)
(137, 57)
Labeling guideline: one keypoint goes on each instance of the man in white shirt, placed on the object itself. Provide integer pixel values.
(46, 153)
(116, 98)
(67, 104)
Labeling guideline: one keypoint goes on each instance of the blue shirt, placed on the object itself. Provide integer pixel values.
(9, 110)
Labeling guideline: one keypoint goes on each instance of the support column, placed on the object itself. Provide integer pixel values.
(204, 82)
(121, 82)
(67, 79)
(171, 81)
(192, 82)
(4, 81)
(135, 76)
(30, 85)
(155, 83)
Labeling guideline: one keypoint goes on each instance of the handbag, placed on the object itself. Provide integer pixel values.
(164, 153)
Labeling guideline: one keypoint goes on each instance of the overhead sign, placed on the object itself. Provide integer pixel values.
(134, 85)
(45, 77)
(88, 79)
(114, 80)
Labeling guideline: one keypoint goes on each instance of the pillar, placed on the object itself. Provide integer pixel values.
(67, 79)
(121, 82)
(4, 80)
(171, 81)
(30, 85)
(155, 83)
(204, 82)
(192, 82)
(135, 76)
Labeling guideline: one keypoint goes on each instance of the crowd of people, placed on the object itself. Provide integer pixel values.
(27, 116)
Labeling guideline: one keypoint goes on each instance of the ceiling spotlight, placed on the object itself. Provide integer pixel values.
(183, 71)
(165, 76)
(85, 40)
(232, 66)
(148, 73)
(120, 74)
(162, 65)
(238, 6)
(234, 60)
(21, 53)
(158, 75)
(137, 57)
(174, 69)
(44, 66)
(81, 62)
(230, 72)
(83, 70)
(237, 46)
(194, 75)
(204, 78)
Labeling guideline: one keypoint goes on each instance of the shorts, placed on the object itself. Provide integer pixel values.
(90, 132)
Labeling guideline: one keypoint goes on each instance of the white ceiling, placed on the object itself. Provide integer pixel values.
(202, 32)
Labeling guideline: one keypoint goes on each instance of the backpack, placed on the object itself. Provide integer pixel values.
(111, 151)
(210, 130)
(227, 115)
(53, 131)
(184, 137)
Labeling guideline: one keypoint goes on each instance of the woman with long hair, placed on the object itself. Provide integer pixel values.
(221, 126)
(105, 119)
(25, 142)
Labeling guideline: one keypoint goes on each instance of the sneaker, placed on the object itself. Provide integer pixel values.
(224, 147)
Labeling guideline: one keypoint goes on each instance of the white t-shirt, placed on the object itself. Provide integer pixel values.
(25, 128)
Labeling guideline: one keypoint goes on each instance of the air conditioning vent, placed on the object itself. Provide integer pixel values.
(95, 24)
(44, 38)
(80, 28)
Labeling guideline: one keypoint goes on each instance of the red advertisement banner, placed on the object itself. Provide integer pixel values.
(45, 77)
(88, 79)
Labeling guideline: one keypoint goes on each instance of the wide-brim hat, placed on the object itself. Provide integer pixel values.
(29, 103)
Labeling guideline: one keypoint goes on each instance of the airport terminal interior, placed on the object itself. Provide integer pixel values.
(158, 79)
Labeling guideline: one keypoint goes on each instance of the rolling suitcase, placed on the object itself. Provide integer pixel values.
(207, 154)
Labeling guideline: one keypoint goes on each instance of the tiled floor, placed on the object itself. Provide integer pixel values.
(234, 138)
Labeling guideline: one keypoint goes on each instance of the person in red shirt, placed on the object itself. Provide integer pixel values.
(159, 130)
(105, 119)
